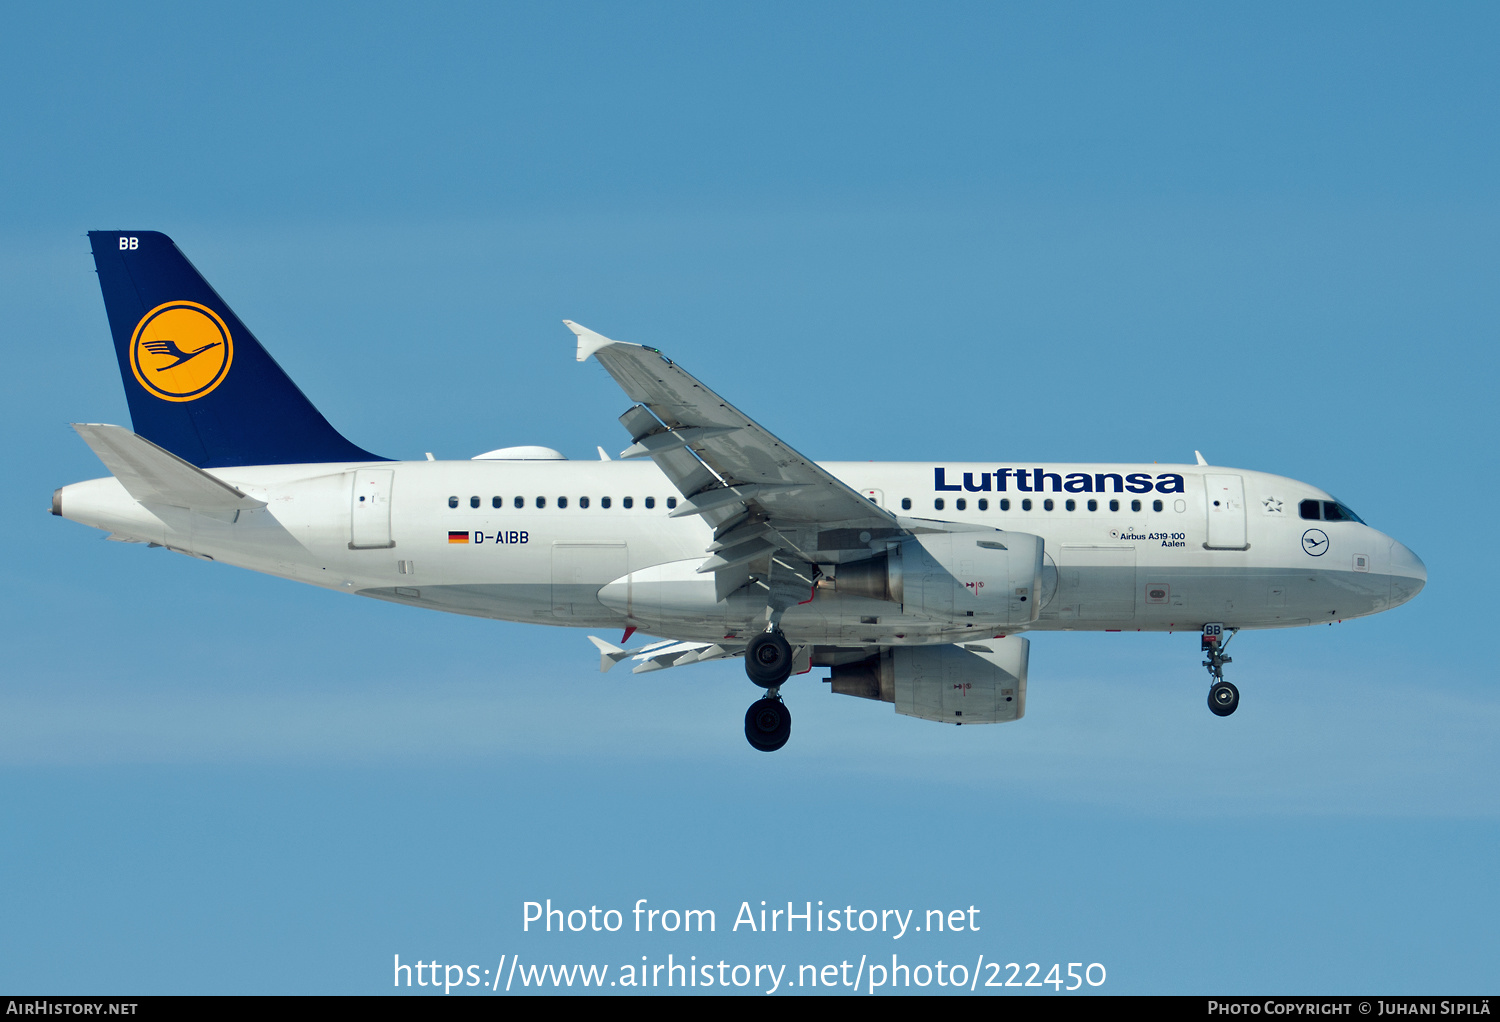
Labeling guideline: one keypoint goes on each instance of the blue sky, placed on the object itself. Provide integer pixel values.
(1062, 232)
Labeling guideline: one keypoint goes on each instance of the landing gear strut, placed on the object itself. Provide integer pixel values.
(1223, 697)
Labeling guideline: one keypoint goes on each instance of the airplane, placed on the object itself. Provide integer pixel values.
(913, 583)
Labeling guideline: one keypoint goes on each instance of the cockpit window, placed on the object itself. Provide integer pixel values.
(1336, 512)
(1327, 511)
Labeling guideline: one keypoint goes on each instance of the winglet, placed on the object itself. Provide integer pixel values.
(609, 653)
(588, 341)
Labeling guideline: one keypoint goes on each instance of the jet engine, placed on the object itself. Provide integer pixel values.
(989, 575)
(975, 683)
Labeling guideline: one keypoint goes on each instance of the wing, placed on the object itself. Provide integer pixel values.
(657, 656)
(767, 503)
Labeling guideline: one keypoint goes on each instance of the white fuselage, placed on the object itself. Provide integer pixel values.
(390, 530)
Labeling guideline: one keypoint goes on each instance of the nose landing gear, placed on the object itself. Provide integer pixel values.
(1223, 697)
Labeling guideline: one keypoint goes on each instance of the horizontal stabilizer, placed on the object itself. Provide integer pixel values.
(155, 476)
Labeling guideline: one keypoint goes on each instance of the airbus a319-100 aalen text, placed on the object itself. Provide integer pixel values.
(914, 583)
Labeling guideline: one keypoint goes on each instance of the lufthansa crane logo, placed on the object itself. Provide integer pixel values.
(1315, 542)
(181, 351)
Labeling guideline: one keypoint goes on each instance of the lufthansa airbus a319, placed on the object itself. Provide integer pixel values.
(912, 583)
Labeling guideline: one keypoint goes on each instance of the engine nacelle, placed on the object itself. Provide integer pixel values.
(994, 576)
(976, 683)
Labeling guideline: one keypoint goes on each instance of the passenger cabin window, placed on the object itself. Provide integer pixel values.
(520, 502)
(906, 503)
(562, 501)
(541, 502)
(1114, 505)
(1135, 505)
(1156, 505)
(473, 501)
(671, 502)
(497, 502)
(604, 502)
(1004, 503)
(1025, 503)
(937, 505)
(453, 502)
(583, 502)
(1071, 505)
(984, 503)
(650, 502)
(1093, 505)
(627, 502)
(1048, 504)
(961, 504)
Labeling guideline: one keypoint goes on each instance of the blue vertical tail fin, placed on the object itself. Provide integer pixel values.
(198, 382)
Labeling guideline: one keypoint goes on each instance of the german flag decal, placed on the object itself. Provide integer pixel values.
(458, 537)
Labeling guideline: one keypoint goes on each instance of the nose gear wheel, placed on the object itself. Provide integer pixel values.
(1223, 697)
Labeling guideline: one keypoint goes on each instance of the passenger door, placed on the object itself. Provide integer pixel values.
(1225, 501)
(370, 510)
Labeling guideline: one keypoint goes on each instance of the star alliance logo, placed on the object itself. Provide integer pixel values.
(1272, 506)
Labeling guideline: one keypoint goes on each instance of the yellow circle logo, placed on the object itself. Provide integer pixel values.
(180, 351)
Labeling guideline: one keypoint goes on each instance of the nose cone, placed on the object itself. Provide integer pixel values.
(1408, 573)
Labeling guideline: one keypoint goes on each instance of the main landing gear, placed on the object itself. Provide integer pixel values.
(1223, 698)
(768, 662)
(768, 657)
(768, 724)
